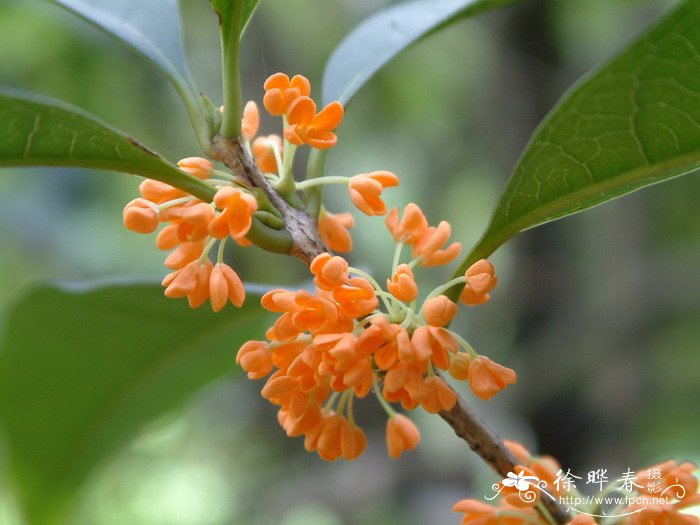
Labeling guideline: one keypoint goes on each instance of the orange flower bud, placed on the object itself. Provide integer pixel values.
(197, 166)
(167, 238)
(279, 385)
(264, 153)
(159, 192)
(459, 366)
(356, 298)
(141, 216)
(401, 434)
(366, 189)
(402, 284)
(352, 441)
(334, 230)
(255, 358)
(225, 285)
(330, 271)
(518, 450)
(481, 279)
(250, 121)
(439, 311)
(487, 378)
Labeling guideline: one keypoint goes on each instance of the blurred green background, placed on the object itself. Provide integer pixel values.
(599, 313)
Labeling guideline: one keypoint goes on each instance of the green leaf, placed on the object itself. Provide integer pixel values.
(83, 368)
(632, 123)
(249, 7)
(381, 37)
(38, 131)
(152, 28)
(225, 8)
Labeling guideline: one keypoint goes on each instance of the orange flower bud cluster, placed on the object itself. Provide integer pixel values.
(349, 336)
(332, 345)
(191, 228)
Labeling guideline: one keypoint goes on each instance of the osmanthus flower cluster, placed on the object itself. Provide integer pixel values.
(351, 335)
(655, 495)
(193, 227)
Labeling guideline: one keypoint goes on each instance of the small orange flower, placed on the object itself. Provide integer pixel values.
(334, 230)
(263, 149)
(308, 127)
(237, 215)
(280, 92)
(439, 397)
(334, 437)
(250, 121)
(402, 284)
(192, 220)
(401, 434)
(255, 358)
(356, 298)
(184, 254)
(434, 342)
(386, 341)
(224, 286)
(366, 189)
(404, 383)
(141, 216)
(410, 228)
(197, 166)
(428, 249)
(487, 378)
(439, 311)
(330, 271)
(481, 279)
(192, 281)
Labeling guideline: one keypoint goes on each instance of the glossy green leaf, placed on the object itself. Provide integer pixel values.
(632, 123)
(83, 368)
(381, 37)
(152, 28)
(38, 131)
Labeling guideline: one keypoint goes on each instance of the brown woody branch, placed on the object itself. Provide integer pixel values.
(307, 244)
